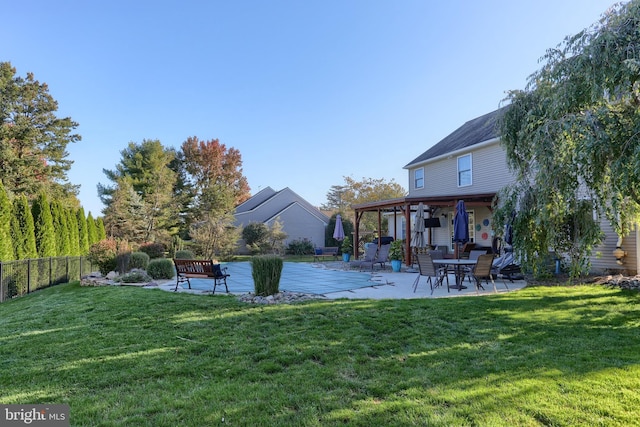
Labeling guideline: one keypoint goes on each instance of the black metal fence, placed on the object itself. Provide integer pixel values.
(18, 278)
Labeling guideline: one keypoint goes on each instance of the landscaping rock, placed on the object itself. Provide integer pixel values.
(279, 298)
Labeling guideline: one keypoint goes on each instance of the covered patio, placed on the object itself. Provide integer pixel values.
(405, 206)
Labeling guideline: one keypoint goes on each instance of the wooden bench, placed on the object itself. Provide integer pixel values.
(326, 252)
(200, 269)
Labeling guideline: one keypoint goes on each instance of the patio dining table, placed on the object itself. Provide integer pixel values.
(458, 269)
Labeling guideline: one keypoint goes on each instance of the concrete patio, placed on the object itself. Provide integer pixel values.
(333, 280)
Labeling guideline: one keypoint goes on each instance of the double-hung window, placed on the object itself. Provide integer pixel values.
(464, 170)
(418, 178)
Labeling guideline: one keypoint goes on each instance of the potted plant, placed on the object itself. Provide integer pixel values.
(396, 255)
(346, 249)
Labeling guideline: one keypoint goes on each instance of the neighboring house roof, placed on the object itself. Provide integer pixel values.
(475, 131)
(268, 204)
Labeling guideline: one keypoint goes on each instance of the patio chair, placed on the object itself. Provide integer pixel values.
(466, 250)
(369, 256)
(482, 271)
(429, 270)
(473, 255)
(380, 257)
(506, 268)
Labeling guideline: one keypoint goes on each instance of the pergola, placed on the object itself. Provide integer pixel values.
(406, 205)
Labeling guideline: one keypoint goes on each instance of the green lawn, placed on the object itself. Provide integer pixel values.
(552, 356)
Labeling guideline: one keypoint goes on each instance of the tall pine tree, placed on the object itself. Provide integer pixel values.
(43, 222)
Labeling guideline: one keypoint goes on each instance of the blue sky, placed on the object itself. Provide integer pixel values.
(308, 91)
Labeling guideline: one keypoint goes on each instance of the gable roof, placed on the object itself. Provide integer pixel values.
(268, 204)
(475, 131)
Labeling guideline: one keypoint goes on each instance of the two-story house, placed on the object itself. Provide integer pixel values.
(471, 165)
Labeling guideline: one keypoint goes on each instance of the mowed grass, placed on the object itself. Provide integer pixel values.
(125, 356)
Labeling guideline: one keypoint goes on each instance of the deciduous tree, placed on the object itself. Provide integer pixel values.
(573, 139)
(215, 172)
(341, 197)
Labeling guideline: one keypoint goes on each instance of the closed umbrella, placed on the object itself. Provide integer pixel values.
(508, 229)
(338, 232)
(417, 240)
(460, 225)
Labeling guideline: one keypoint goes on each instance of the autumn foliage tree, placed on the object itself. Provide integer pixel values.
(215, 174)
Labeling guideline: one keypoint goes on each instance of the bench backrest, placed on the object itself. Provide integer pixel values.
(194, 266)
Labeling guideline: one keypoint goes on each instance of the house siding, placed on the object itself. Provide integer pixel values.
(603, 260)
(489, 173)
(299, 219)
(299, 226)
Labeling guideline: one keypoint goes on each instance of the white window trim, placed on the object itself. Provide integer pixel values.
(415, 186)
(470, 169)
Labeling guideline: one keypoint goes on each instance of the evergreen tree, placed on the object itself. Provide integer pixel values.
(6, 246)
(17, 237)
(43, 222)
(33, 140)
(72, 223)
(23, 231)
(124, 216)
(61, 229)
(146, 167)
(83, 237)
(102, 234)
(92, 230)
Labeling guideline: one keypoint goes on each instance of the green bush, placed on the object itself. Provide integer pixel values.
(154, 250)
(266, 271)
(138, 260)
(161, 268)
(103, 254)
(184, 254)
(300, 247)
(136, 276)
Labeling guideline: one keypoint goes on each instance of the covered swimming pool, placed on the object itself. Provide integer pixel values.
(296, 277)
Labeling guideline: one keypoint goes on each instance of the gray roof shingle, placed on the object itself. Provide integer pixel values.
(475, 131)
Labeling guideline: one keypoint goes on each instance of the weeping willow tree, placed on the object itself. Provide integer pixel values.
(572, 137)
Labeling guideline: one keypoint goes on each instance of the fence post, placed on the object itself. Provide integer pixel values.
(29, 275)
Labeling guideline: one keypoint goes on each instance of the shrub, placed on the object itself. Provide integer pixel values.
(103, 254)
(300, 247)
(135, 276)
(266, 271)
(154, 250)
(138, 260)
(161, 268)
(184, 254)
